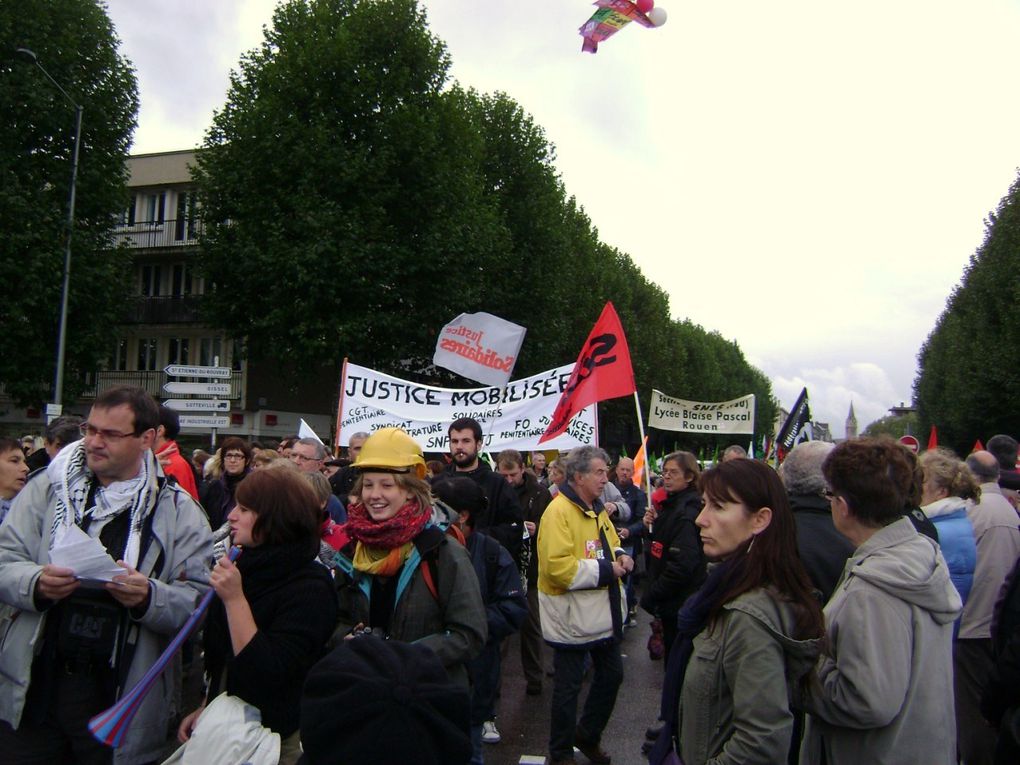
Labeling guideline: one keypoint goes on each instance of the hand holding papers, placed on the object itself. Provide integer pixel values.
(85, 556)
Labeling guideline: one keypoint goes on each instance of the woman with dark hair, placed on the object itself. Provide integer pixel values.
(676, 564)
(885, 686)
(276, 608)
(217, 494)
(749, 636)
(401, 576)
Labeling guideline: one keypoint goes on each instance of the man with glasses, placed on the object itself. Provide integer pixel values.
(582, 605)
(309, 455)
(72, 647)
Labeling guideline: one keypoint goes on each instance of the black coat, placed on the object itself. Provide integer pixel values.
(294, 604)
(503, 519)
(676, 562)
(823, 550)
(533, 498)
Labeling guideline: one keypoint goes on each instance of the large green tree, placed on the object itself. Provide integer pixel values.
(968, 383)
(75, 41)
(345, 211)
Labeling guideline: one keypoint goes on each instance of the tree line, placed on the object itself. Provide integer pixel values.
(356, 199)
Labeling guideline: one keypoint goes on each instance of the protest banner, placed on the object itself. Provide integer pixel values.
(480, 347)
(668, 413)
(512, 417)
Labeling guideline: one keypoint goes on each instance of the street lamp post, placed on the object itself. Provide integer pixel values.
(58, 383)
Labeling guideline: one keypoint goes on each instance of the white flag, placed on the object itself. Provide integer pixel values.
(481, 347)
(305, 431)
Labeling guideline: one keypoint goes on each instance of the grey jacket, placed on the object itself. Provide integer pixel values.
(180, 533)
(735, 702)
(885, 689)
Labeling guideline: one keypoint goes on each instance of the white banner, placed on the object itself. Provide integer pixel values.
(667, 413)
(514, 417)
(480, 347)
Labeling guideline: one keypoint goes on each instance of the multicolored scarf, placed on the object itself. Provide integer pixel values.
(393, 532)
(71, 480)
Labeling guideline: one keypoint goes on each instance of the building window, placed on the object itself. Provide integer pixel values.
(155, 205)
(118, 359)
(186, 226)
(181, 280)
(235, 355)
(146, 354)
(209, 351)
(151, 278)
(177, 350)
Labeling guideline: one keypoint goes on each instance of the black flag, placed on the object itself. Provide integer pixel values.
(794, 427)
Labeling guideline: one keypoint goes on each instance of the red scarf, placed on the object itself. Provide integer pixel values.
(388, 534)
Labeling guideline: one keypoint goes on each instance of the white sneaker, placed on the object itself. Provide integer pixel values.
(490, 735)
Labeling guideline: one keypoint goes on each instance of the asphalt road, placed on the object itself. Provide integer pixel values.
(523, 721)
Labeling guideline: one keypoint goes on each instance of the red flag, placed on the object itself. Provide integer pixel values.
(933, 438)
(602, 371)
(978, 447)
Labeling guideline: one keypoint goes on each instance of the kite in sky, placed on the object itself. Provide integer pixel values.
(614, 15)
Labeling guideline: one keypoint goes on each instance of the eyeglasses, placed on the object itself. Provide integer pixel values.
(672, 473)
(302, 458)
(233, 456)
(88, 430)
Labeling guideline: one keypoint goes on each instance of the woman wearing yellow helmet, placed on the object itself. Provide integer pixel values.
(401, 576)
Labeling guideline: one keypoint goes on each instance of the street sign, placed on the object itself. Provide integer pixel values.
(176, 370)
(197, 405)
(199, 421)
(199, 389)
(54, 410)
(911, 443)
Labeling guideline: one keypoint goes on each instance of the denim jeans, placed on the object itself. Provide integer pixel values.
(598, 706)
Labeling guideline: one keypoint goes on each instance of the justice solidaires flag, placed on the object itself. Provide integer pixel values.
(602, 371)
(480, 347)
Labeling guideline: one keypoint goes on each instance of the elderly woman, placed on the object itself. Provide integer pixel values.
(217, 494)
(948, 492)
(276, 608)
(401, 576)
(885, 686)
(750, 636)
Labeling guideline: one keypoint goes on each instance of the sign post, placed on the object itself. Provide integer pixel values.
(215, 405)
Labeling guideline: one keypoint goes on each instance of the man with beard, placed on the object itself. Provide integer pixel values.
(503, 519)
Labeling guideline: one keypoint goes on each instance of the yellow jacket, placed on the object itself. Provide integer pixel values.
(575, 572)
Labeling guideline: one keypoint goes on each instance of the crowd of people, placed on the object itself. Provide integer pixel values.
(859, 604)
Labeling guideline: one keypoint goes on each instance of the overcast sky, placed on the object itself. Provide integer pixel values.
(807, 178)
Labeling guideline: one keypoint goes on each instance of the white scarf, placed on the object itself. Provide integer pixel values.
(71, 480)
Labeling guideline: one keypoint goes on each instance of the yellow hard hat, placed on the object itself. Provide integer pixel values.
(392, 450)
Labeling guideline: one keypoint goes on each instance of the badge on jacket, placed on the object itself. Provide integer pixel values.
(656, 549)
(593, 549)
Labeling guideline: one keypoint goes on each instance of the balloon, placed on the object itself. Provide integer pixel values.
(657, 16)
(645, 5)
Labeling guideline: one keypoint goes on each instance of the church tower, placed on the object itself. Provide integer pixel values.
(851, 423)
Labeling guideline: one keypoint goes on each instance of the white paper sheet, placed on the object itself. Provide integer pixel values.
(85, 556)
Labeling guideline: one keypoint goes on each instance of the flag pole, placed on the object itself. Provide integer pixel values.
(340, 408)
(648, 462)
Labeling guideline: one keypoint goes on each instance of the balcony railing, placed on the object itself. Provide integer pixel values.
(153, 383)
(172, 232)
(165, 309)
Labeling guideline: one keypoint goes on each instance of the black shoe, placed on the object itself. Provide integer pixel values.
(654, 730)
(591, 750)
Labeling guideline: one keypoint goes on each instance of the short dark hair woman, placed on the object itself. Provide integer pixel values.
(885, 685)
(217, 494)
(750, 634)
(276, 608)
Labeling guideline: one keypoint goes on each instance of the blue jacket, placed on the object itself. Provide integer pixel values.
(956, 537)
(500, 583)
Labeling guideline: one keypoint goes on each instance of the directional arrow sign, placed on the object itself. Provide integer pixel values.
(200, 389)
(198, 421)
(185, 371)
(198, 405)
